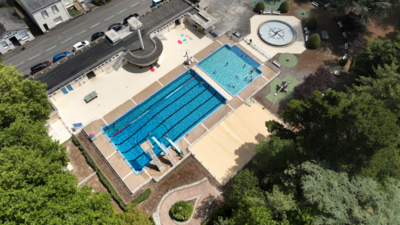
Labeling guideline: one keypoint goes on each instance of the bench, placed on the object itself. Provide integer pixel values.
(90, 97)
(267, 12)
(344, 35)
(276, 12)
(276, 63)
(340, 24)
(346, 45)
(315, 4)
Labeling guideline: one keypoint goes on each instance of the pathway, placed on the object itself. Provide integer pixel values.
(203, 188)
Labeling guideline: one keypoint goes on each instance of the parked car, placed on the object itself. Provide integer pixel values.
(60, 56)
(115, 26)
(97, 35)
(80, 45)
(39, 67)
(130, 16)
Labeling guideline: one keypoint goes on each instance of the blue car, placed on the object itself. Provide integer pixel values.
(60, 56)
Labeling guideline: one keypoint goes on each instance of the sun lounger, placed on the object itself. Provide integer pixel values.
(237, 34)
(307, 37)
(306, 30)
(267, 12)
(315, 4)
(276, 63)
(276, 12)
(90, 97)
(346, 45)
(340, 24)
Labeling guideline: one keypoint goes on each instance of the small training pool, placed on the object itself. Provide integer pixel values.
(240, 71)
(173, 110)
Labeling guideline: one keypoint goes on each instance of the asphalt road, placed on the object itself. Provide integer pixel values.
(65, 40)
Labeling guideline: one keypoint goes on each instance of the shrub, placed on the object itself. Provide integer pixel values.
(260, 7)
(97, 2)
(313, 42)
(142, 196)
(182, 210)
(344, 61)
(285, 6)
(311, 24)
(73, 12)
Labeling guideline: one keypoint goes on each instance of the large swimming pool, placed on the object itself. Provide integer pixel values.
(240, 71)
(174, 111)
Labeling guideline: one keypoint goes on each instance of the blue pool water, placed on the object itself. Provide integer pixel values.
(172, 111)
(237, 66)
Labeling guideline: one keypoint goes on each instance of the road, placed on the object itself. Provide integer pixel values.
(65, 40)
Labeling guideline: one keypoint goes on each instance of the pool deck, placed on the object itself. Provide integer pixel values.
(235, 108)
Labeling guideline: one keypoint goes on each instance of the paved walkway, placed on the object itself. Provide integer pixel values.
(205, 189)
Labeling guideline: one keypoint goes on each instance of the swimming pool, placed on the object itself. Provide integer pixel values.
(174, 111)
(234, 76)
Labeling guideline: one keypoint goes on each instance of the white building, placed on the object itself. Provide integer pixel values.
(13, 31)
(47, 14)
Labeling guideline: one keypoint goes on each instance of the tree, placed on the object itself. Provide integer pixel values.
(260, 6)
(279, 202)
(344, 129)
(345, 200)
(378, 52)
(34, 188)
(321, 81)
(253, 214)
(313, 42)
(245, 184)
(311, 23)
(132, 216)
(284, 7)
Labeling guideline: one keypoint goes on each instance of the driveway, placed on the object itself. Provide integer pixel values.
(65, 36)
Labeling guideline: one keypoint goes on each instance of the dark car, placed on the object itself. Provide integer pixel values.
(115, 26)
(39, 67)
(130, 16)
(97, 35)
(60, 56)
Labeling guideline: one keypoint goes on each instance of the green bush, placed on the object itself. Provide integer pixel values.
(97, 2)
(311, 24)
(152, 220)
(73, 12)
(344, 61)
(102, 178)
(285, 6)
(142, 196)
(182, 210)
(259, 7)
(313, 42)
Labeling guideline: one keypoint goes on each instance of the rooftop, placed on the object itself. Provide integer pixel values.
(34, 5)
(85, 61)
(9, 20)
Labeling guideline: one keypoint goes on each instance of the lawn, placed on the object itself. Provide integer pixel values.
(274, 88)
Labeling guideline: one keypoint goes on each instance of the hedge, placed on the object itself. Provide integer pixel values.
(182, 210)
(102, 178)
(285, 6)
(142, 196)
(311, 24)
(313, 42)
(260, 7)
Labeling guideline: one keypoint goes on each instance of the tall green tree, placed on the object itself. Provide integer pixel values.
(345, 129)
(132, 216)
(34, 188)
(378, 52)
(345, 200)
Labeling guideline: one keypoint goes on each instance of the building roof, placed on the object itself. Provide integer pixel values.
(85, 61)
(9, 20)
(34, 5)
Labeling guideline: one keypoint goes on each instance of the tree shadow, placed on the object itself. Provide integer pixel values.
(202, 207)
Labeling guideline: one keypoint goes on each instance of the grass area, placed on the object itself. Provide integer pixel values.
(73, 12)
(274, 88)
(283, 59)
(343, 73)
(269, 4)
(302, 14)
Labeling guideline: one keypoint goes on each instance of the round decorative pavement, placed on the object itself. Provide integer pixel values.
(302, 14)
(276, 32)
(288, 60)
